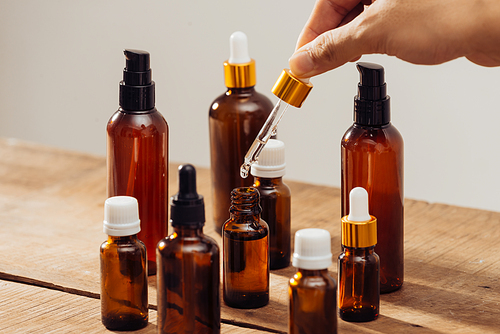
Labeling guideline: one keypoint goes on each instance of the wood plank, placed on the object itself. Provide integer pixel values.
(51, 202)
(26, 308)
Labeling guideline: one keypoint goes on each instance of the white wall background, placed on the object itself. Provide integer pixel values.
(61, 62)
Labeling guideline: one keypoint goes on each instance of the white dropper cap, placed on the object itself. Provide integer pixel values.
(238, 48)
(121, 216)
(312, 249)
(358, 202)
(271, 161)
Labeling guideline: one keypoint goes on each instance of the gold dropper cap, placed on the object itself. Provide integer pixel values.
(290, 89)
(359, 234)
(240, 75)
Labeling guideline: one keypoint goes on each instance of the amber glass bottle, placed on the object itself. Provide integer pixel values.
(188, 266)
(312, 291)
(245, 252)
(137, 151)
(372, 158)
(235, 119)
(359, 265)
(275, 200)
(124, 281)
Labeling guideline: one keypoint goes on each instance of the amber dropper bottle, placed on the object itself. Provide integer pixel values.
(312, 291)
(372, 158)
(235, 118)
(359, 265)
(245, 239)
(188, 266)
(124, 280)
(275, 200)
(137, 151)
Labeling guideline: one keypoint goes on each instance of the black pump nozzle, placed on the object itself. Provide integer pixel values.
(137, 90)
(187, 206)
(371, 105)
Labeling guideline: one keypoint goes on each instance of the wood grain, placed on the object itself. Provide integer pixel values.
(51, 210)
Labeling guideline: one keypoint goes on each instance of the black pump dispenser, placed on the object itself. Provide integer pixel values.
(187, 206)
(371, 105)
(137, 90)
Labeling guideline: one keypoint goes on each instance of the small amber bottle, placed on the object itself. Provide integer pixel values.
(312, 291)
(124, 281)
(188, 266)
(372, 158)
(235, 119)
(275, 200)
(137, 151)
(246, 252)
(359, 265)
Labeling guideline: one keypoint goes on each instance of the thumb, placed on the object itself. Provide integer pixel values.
(328, 51)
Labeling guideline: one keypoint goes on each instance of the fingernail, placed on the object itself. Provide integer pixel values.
(301, 63)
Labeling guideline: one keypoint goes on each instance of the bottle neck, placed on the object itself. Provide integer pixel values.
(267, 182)
(358, 251)
(245, 204)
(312, 272)
(122, 239)
(189, 230)
(241, 91)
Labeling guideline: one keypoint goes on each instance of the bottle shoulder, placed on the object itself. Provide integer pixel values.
(316, 281)
(245, 230)
(151, 121)
(132, 247)
(246, 103)
(383, 136)
(177, 244)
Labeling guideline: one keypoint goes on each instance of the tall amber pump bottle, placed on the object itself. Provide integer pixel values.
(137, 151)
(275, 200)
(359, 265)
(312, 291)
(372, 158)
(245, 238)
(124, 280)
(188, 266)
(235, 119)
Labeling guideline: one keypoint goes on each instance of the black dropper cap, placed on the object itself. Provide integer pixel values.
(137, 90)
(187, 207)
(371, 105)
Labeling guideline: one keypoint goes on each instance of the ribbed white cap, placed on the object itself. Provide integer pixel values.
(312, 249)
(121, 216)
(271, 162)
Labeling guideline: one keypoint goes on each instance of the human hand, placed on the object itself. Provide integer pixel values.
(418, 31)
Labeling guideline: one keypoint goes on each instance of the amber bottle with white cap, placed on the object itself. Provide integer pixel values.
(235, 118)
(124, 280)
(275, 200)
(359, 265)
(312, 291)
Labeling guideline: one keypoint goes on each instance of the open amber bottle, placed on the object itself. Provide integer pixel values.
(275, 200)
(246, 252)
(372, 158)
(188, 266)
(359, 265)
(124, 281)
(312, 291)
(137, 151)
(235, 119)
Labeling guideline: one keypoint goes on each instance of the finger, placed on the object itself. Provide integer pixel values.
(326, 15)
(352, 14)
(329, 50)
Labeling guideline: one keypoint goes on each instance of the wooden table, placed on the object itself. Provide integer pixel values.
(51, 212)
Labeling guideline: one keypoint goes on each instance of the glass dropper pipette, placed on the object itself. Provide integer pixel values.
(290, 91)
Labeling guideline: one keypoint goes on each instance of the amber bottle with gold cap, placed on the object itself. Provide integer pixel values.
(359, 265)
(235, 118)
